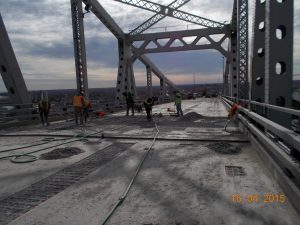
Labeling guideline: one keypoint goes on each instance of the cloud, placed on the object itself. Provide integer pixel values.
(41, 35)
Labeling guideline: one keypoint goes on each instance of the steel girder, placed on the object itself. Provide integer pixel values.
(149, 81)
(233, 75)
(243, 48)
(258, 60)
(79, 46)
(279, 58)
(125, 77)
(168, 11)
(10, 70)
(156, 18)
(180, 41)
(239, 87)
(105, 18)
(162, 93)
(146, 61)
(226, 74)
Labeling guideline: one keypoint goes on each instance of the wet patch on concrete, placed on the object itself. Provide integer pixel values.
(61, 153)
(224, 148)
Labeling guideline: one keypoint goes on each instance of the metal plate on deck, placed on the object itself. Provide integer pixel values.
(234, 171)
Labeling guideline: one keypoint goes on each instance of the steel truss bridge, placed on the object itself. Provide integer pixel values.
(270, 62)
(268, 69)
(260, 81)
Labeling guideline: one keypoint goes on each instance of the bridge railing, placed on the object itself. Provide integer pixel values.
(274, 107)
(282, 134)
(10, 113)
(282, 144)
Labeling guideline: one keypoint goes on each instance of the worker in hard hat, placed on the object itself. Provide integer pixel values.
(86, 109)
(178, 104)
(44, 109)
(78, 103)
(148, 103)
(129, 103)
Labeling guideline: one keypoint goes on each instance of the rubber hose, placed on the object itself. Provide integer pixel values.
(28, 153)
(122, 198)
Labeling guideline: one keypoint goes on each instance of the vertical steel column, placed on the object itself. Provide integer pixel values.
(279, 57)
(10, 70)
(226, 74)
(121, 77)
(233, 92)
(79, 46)
(233, 54)
(258, 56)
(132, 81)
(162, 90)
(242, 28)
(149, 81)
(125, 79)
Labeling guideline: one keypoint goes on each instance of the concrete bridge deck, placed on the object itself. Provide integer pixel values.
(196, 173)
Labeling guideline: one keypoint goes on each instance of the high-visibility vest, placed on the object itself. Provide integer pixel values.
(178, 99)
(77, 101)
(44, 105)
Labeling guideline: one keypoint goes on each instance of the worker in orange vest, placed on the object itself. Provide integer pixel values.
(86, 109)
(78, 103)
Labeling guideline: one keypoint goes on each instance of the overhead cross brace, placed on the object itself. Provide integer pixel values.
(168, 11)
(157, 17)
(180, 41)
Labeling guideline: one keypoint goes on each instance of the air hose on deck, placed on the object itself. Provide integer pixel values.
(122, 198)
(27, 157)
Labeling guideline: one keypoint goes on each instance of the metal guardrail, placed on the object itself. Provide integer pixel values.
(277, 108)
(10, 113)
(26, 112)
(288, 136)
(274, 143)
(278, 148)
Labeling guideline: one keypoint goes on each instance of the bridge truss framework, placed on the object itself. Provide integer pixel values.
(268, 79)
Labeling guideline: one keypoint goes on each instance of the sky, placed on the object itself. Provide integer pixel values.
(41, 35)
